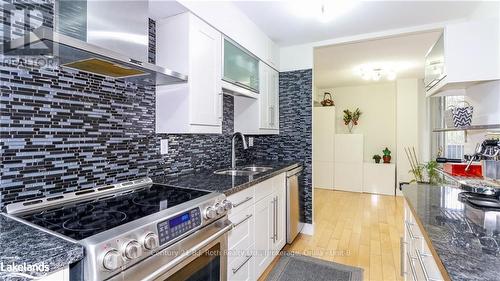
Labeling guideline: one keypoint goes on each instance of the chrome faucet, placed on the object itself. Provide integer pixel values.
(233, 151)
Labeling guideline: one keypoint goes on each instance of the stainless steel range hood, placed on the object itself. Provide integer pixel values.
(107, 38)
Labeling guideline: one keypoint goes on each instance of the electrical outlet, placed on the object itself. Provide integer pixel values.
(250, 141)
(163, 146)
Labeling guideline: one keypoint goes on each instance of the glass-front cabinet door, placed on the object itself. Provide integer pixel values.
(240, 67)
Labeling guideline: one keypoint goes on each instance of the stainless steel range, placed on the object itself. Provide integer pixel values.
(138, 230)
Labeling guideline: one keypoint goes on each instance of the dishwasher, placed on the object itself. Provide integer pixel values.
(294, 213)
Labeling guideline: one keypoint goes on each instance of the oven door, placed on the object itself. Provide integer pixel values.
(200, 256)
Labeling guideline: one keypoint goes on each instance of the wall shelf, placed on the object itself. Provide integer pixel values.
(469, 128)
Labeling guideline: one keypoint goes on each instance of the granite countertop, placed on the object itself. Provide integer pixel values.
(25, 246)
(466, 239)
(207, 180)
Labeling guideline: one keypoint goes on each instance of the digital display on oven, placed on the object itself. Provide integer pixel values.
(179, 220)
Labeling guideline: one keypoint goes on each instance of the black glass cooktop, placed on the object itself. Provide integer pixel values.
(83, 219)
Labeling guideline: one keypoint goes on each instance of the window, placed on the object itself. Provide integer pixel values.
(453, 141)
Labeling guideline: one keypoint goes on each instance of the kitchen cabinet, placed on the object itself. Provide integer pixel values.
(273, 53)
(348, 153)
(323, 146)
(259, 233)
(279, 187)
(187, 43)
(240, 71)
(417, 262)
(466, 54)
(259, 116)
(230, 21)
(379, 178)
(264, 227)
(61, 275)
(269, 98)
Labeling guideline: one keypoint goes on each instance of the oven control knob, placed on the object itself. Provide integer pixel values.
(150, 241)
(132, 249)
(227, 205)
(220, 209)
(112, 260)
(210, 213)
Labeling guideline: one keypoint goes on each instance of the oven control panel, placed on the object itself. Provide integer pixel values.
(178, 225)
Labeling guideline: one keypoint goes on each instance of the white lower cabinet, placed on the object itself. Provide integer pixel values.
(263, 233)
(61, 275)
(259, 116)
(259, 232)
(279, 186)
(243, 267)
(416, 258)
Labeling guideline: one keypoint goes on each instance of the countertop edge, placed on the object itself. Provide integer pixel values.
(261, 179)
(435, 255)
(70, 255)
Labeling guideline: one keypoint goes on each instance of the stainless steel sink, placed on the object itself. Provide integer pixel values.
(231, 172)
(243, 171)
(256, 169)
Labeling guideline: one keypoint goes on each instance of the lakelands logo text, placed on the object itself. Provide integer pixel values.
(23, 267)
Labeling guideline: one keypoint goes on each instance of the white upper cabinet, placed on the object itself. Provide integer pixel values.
(232, 22)
(466, 54)
(273, 54)
(187, 43)
(259, 116)
(240, 71)
(269, 103)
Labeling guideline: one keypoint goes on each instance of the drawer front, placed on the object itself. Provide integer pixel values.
(242, 268)
(426, 266)
(420, 263)
(242, 200)
(263, 189)
(242, 234)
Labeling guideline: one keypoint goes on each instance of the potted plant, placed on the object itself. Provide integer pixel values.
(377, 158)
(387, 155)
(351, 118)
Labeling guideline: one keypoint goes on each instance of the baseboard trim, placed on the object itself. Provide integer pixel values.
(308, 229)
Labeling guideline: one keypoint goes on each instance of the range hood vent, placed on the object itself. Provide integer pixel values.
(80, 55)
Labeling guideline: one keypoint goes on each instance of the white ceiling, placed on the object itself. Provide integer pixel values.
(334, 66)
(278, 20)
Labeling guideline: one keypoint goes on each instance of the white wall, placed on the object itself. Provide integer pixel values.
(487, 9)
(301, 56)
(377, 123)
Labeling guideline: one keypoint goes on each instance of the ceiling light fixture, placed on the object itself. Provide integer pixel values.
(323, 10)
(376, 73)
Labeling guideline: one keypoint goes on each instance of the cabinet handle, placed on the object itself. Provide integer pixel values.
(242, 202)
(276, 219)
(271, 116)
(273, 237)
(412, 267)
(242, 221)
(242, 264)
(221, 106)
(402, 255)
(420, 259)
(410, 231)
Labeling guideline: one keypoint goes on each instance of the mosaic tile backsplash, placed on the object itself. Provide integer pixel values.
(64, 130)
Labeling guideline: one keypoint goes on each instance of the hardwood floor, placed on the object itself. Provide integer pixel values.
(357, 229)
